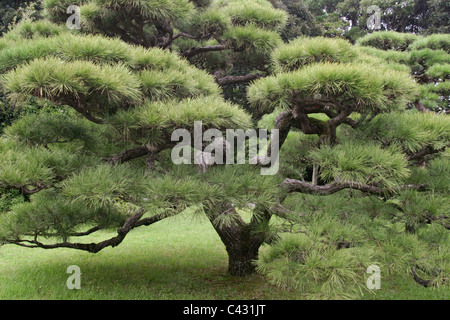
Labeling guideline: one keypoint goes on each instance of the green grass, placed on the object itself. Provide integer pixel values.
(180, 258)
(405, 288)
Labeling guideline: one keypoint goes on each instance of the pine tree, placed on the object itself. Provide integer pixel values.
(360, 165)
(100, 157)
(231, 39)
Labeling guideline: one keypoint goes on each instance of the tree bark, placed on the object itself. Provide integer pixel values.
(242, 242)
(242, 247)
(241, 261)
(283, 123)
(237, 79)
(293, 185)
(197, 50)
(420, 107)
(133, 222)
(128, 155)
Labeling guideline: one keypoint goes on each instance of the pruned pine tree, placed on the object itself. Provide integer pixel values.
(231, 39)
(133, 87)
(330, 77)
(427, 57)
(344, 117)
(103, 160)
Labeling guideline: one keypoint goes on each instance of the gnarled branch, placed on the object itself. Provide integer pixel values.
(197, 50)
(420, 107)
(24, 189)
(304, 187)
(133, 222)
(128, 155)
(308, 188)
(426, 151)
(423, 282)
(237, 79)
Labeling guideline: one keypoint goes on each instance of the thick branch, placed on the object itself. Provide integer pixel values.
(422, 282)
(197, 50)
(283, 123)
(304, 187)
(133, 222)
(237, 79)
(333, 123)
(304, 122)
(128, 155)
(24, 189)
(308, 188)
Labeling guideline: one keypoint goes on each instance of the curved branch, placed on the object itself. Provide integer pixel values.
(304, 187)
(305, 124)
(423, 282)
(427, 151)
(128, 155)
(197, 50)
(77, 105)
(237, 79)
(308, 188)
(24, 189)
(133, 222)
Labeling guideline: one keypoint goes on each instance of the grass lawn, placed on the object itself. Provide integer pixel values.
(180, 258)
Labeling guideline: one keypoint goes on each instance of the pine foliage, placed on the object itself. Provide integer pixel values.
(363, 178)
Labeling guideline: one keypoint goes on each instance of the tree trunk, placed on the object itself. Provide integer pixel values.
(242, 243)
(241, 259)
(242, 246)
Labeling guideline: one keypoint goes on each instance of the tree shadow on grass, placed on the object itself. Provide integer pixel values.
(124, 274)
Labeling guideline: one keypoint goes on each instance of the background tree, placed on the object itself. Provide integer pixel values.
(11, 11)
(427, 57)
(438, 17)
(418, 16)
(349, 18)
(358, 166)
(301, 21)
